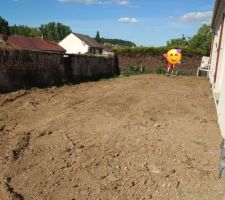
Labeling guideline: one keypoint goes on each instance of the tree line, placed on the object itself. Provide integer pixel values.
(52, 31)
(113, 41)
(201, 41)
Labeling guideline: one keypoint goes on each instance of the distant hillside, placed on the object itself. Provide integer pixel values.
(118, 42)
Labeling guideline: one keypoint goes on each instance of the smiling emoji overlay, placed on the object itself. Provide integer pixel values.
(173, 56)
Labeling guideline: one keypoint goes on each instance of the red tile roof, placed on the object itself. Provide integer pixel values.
(33, 44)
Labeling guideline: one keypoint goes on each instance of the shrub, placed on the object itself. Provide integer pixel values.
(128, 51)
(137, 70)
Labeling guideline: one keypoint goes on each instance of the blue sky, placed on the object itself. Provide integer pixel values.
(145, 22)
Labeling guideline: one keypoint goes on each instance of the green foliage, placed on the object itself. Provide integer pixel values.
(199, 44)
(160, 70)
(202, 40)
(137, 70)
(55, 31)
(25, 31)
(138, 50)
(132, 70)
(4, 26)
(151, 115)
(97, 37)
(154, 50)
(122, 43)
(179, 42)
(118, 42)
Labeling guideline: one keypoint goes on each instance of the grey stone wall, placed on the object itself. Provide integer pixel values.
(90, 67)
(24, 69)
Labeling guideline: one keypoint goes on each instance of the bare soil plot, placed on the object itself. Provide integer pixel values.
(142, 137)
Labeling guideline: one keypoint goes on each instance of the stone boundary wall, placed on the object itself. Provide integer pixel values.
(188, 66)
(24, 69)
(92, 67)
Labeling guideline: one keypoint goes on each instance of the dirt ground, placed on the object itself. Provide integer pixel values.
(142, 137)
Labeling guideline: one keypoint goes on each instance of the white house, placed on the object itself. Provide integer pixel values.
(217, 74)
(76, 43)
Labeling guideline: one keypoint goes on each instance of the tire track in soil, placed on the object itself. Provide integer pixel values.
(21, 146)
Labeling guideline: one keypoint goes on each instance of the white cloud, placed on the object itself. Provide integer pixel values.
(127, 20)
(119, 2)
(78, 1)
(123, 2)
(202, 17)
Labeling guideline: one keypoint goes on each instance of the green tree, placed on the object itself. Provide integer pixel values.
(179, 42)
(202, 40)
(97, 37)
(55, 31)
(24, 30)
(122, 43)
(4, 26)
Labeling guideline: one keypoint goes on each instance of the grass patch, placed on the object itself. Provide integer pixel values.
(151, 115)
(138, 70)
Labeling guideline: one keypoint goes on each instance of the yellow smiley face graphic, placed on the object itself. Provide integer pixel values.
(174, 56)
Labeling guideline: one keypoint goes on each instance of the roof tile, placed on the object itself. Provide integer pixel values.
(33, 44)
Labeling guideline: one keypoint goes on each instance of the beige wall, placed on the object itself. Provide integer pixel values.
(218, 85)
(214, 53)
(220, 70)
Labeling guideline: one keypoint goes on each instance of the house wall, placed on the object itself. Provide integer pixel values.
(220, 88)
(221, 110)
(214, 53)
(218, 84)
(21, 69)
(74, 45)
(219, 74)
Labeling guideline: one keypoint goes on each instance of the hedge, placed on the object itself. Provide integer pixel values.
(154, 51)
